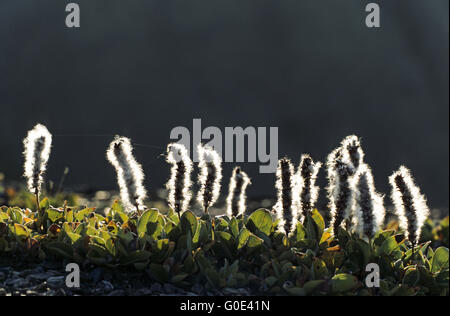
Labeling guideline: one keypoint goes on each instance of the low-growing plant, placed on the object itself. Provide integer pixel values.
(244, 251)
(281, 254)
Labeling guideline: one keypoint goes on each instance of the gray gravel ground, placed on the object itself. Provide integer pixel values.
(48, 279)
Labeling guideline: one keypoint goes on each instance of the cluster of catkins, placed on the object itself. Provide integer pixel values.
(130, 179)
(297, 191)
(353, 201)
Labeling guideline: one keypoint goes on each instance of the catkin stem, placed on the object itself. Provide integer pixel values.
(38, 203)
(137, 209)
(177, 209)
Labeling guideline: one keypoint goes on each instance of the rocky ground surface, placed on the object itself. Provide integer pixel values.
(48, 279)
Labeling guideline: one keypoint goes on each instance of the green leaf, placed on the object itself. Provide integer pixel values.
(201, 235)
(318, 219)
(179, 278)
(234, 227)
(162, 251)
(60, 248)
(44, 204)
(21, 232)
(343, 236)
(149, 216)
(158, 272)
(312, 230)
(117, 212)
(227, 241)
(382, 235)
(189, 222)
(98, 240)
(220, 224)
(111, 247)
(97, 254)
(214, 278)
(260, 220)
(16, 215)
(80, 215)
(440, 260)
(54, 214)
(73, 237)
(343, 283)
(3, 216)
(136, 256)
(243, 237)
(411, 277)
(311, 286)
(296, 291)
(69, 216)
(319, 269)
(300, 232)
(270, 281)
(388, 246)
(254, 242)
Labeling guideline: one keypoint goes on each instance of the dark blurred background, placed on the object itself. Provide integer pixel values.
(141, 67)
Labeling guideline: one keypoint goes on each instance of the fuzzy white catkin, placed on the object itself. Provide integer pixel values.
(37, 147)
(410, 204)
(353, 152)
(332, 173)
(236, 200)
(179, 184)
(368, 204)
(339, 192)
(210, 176)
(130, 176)
(286, 206)
(308, 191)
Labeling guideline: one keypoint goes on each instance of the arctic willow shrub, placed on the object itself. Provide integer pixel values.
(293, 254)
(222, 252)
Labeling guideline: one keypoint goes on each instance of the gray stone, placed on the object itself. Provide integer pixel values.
(156, 287)
(17, 283)
(197, 288)
(56, 281)
(39, 276)
(144, 291)
(117, 293)
(233, 291)
(169, 288)
(107, 286)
